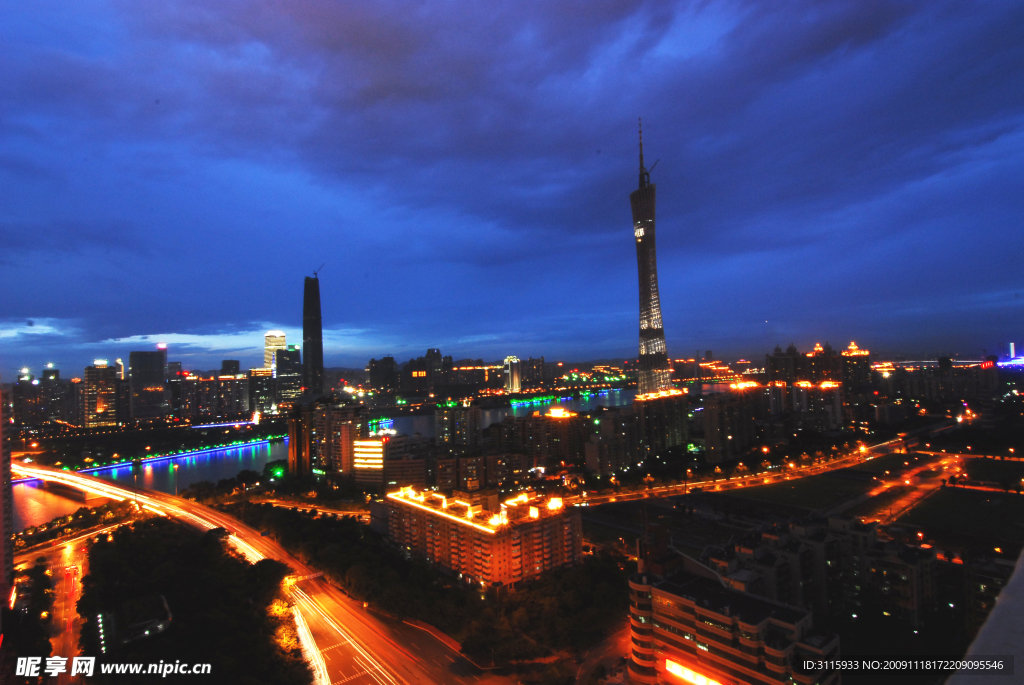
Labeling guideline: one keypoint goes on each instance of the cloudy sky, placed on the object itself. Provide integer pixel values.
(828, 171)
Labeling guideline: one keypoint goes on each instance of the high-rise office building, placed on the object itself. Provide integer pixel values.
(513, 383)
(262, 391)
(175, 378)
(100, 395)
(382, 374)
(28, 400)
(312, 339)
(655, 372)
(288, 363)
(123, 410)
(272, 342)
(230, 367)
(533, 372)
(147, 379)
(232, 394)
(457, 427)
(74, 410)
(54, 394)
(434, 365)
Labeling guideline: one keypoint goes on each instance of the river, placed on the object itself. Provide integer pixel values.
(33, 504)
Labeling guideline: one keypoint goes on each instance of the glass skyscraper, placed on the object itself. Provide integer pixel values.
(312, 339)
(272, 342)
(100, 400)
(147, 378)
(289, 374)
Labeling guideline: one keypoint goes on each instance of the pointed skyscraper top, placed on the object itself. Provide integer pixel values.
(644, 179)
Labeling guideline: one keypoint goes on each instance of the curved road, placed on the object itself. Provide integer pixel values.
(352, 645)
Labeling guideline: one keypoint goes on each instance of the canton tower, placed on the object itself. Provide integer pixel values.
(655, 373)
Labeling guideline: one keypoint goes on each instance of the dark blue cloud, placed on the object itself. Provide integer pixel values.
(829, 171)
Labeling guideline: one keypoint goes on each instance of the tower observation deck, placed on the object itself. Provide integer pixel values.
(655, 373)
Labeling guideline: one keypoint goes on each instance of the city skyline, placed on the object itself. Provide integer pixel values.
(854, 175)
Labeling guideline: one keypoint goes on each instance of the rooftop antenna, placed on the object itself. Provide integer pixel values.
(645, 173)
(317, 271)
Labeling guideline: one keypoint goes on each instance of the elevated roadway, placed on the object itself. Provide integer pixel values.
(350, 643)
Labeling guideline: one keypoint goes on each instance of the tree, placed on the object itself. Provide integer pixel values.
(247, 477)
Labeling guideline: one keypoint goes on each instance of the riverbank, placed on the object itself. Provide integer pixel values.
(112, 447)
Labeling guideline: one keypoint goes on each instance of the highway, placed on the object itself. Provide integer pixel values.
(733, 482)
(68, 564)
(350, 643)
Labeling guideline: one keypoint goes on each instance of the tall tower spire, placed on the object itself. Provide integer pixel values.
(655, 372)
(643, 170)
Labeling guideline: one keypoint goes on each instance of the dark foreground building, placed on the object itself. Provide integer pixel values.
(6, 510)
(689, 624)
(655, 372)
(312, 339)
(691, 628)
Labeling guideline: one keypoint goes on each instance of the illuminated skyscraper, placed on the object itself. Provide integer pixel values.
(655, 373)
(272, 342)
(512, 374)
(100, 395)
(312, 339)
(288, 374)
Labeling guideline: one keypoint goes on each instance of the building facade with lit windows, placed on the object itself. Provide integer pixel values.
(456, 426)
(856, 370)
(272, 342)
(288, 374)
(28, 400)
(818, 406)
(368, 461)
(100, 383)
(690, 628)
(662, 420)
(729, 422)
(480, 540)
(213, 397)
(262, 391)
(322, 436)
(513, 378)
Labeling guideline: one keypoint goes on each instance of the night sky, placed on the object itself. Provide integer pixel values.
(829, 171)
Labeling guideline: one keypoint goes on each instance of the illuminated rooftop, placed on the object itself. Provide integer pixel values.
(824, 385)
(559, 413)
(523, 507)
(669, 392)
(854, 351)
